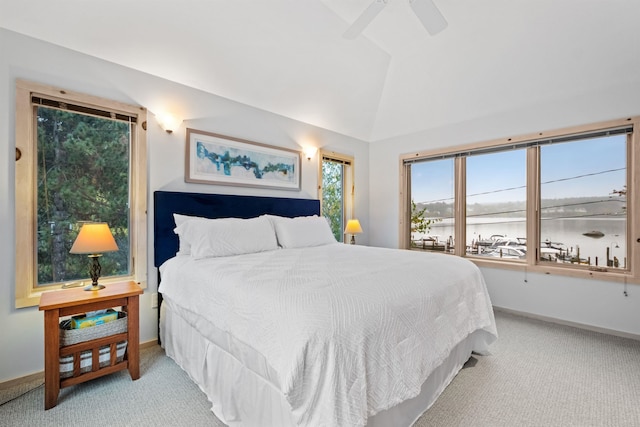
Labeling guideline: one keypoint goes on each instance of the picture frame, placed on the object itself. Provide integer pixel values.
(212, 158)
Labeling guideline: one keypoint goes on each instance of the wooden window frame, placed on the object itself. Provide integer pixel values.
(26, 286)
(531, 264)
(348, 209)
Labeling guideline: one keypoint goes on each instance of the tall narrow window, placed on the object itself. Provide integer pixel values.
(336, 191)
(583, 202)
(497, 205)
(83, 175)
(83, 160)
(432, 215)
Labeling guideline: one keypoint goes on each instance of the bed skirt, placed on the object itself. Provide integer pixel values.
(240, 397)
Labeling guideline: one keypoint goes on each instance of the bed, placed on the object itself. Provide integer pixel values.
(280, 325)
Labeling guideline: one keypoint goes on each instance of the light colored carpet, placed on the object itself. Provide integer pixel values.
(162, 396)
(538, 374)
(543, 374)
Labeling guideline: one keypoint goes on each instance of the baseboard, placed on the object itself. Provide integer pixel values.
(578, 325)
(148, 344)
(40, 375)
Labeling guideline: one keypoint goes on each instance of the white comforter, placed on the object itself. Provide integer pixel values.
(348, 330)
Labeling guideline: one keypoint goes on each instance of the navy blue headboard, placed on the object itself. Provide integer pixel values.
(166, 203)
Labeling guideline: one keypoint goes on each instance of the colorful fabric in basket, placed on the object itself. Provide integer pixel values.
(87, 321)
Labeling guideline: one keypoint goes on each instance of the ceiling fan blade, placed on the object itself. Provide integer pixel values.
(428, 13)
(364, 19)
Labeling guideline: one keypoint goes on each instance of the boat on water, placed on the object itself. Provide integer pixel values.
(506, 252)
(497, 241)
(594, 233)
(554, 246)
(516, 248)
(491, 241)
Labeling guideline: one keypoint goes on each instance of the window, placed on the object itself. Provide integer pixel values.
(556, 202)
(496, 204)
(336, 191)
(83, 159)
(432, 209)
(583, 188)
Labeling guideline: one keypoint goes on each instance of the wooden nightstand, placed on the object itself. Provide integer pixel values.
(56, 304)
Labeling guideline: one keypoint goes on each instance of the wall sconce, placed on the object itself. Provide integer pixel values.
(168, 122)
(353, 227)
(309, 152)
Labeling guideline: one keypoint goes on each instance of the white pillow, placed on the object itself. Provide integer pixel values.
(184, 248)
(227, 236)
(302, 231)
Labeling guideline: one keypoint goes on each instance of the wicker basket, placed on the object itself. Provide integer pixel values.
(70, 336)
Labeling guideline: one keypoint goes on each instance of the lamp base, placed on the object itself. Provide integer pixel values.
(94, 272)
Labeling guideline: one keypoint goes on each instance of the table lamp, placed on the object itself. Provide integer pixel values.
(353, 227)
(94, 239)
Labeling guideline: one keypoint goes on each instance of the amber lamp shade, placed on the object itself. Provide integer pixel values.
(95, 238)
(353, 227)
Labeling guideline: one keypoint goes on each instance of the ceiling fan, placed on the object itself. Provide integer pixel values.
(425, 10)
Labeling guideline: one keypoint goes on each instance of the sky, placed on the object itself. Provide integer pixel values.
(592, 167)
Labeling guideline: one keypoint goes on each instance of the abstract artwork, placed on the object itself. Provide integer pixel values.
(224, 160)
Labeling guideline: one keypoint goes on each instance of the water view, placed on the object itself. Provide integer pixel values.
(564, 234)
(581, 195)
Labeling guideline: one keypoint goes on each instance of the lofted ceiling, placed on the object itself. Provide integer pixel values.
(289, 56)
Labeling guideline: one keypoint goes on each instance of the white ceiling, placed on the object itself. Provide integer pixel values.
(289, 56)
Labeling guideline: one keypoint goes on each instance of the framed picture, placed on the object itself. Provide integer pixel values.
(224, 160)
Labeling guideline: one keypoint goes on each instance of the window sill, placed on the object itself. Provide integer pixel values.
(620, 276)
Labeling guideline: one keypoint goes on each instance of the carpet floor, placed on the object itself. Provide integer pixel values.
(538, 374)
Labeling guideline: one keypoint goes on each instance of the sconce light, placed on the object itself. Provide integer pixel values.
(168, 122)
(309, 152)
(94, 239)
(353, 227)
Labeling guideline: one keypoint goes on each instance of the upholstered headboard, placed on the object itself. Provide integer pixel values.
(166, 203)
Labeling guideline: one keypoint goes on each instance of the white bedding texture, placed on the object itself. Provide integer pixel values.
(344, 332)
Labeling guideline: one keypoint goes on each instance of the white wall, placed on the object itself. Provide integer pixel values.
(593, 303)
(21, 334)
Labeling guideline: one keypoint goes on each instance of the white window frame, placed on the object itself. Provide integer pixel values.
(632, 274)
(27, 289)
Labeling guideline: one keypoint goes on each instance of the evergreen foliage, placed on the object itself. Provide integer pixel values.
(333, 197)
(83, 175)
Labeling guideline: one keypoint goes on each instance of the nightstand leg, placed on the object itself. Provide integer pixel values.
(51, 358)
(133, 351)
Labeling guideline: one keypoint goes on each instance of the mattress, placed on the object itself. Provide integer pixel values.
(339, 333)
